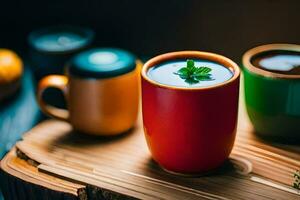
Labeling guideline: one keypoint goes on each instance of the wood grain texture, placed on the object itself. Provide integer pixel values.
(121, 167)
(22, 180)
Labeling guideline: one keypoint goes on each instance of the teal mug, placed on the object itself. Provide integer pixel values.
(272, 95)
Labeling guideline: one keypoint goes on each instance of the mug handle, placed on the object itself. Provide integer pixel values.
(53, 81)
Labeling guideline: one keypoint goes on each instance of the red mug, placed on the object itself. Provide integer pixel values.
(190, 130)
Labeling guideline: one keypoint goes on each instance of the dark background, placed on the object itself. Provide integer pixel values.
(150, 27)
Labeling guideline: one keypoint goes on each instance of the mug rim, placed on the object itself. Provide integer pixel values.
(224, 61)
(88, 33)
(246, 60)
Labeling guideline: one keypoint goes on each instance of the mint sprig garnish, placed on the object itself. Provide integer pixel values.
(296, 183)
(192, 74)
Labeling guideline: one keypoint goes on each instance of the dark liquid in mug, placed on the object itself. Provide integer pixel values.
(165, 73)
(283, 62)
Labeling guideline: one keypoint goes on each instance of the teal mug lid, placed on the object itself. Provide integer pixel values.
(102, 63)
(60, 39)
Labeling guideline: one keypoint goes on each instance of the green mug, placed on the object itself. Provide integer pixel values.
(272, 99)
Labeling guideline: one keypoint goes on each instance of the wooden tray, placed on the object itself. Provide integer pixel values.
(84, 167)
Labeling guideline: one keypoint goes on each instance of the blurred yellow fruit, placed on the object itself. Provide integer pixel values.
(11, 66)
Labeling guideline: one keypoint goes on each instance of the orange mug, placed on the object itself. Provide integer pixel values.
(101, 91)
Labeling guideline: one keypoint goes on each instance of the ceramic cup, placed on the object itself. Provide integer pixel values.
(190, 130)
(51, 47)
(272, 99)
(101, 91)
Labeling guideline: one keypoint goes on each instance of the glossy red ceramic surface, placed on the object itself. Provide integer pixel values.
(190, 130)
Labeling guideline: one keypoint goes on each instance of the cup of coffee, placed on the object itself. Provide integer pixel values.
(272, 90)
(101, 90)
(190, 106)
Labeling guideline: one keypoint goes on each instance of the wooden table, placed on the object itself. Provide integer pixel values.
(54, 162)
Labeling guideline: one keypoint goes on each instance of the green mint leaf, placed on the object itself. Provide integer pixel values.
(202, 70)
(191, 81)
(190, 64)
(193, 70)
(183, 76)
(204, 78)
(200, 75)
(183, 70)
(193, 74)
(183, 73)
